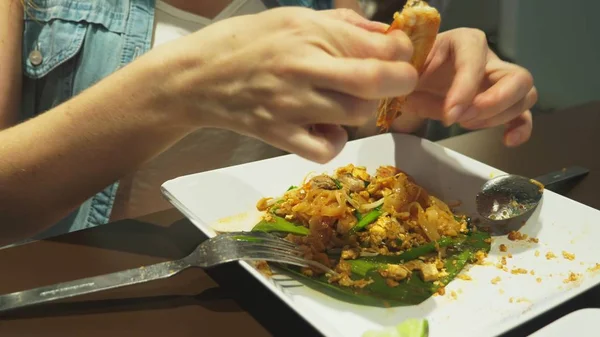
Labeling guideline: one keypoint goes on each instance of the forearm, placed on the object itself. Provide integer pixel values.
(11, 22)
(52, 163)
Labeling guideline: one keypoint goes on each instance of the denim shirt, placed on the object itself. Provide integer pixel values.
(69, 45)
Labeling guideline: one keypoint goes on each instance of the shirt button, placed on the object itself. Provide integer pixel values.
(35, 57)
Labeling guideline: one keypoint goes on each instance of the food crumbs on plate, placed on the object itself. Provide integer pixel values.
(533, 240)
(522, 299)
(516, 236)
(532, 272)
(501, 267)
(550, 256)
(594, 268)
(503, 248)
(480, 256)
(573, 277)
(441, 291)
(568, 255)
(537, 253)
(538, 280)
(263, 268)
(510, 300)
(518, 271)
(501, 291)
(503, 260)
(464, 277)
(495, 280)
(453, 295)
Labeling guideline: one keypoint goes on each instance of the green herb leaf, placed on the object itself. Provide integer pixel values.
(411, 291)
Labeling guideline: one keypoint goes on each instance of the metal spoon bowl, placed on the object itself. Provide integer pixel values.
(509, 196)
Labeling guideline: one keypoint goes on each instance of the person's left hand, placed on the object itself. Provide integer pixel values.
(465, 82)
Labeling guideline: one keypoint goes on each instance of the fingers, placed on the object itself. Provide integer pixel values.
(306, 107)
(355, 19)
(354, 111)
(507, 115)
(366, 79)
(513, 84)
(470, 58)
(356, 38)
(319, 144)
(424, 105)
(518, 131)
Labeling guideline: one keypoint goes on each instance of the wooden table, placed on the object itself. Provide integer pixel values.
(226, 301)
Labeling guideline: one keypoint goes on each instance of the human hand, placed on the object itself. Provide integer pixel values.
(465, 82)
(276, 74)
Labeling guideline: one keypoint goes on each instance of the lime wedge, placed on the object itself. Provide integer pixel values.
(409, 328)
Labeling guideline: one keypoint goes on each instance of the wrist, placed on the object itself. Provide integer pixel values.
(168, 90)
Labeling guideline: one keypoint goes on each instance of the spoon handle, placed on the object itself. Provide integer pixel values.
(554, 180)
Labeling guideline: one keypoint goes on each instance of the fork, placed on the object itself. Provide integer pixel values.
(223, 248)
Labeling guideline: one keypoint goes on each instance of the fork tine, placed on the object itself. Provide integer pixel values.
(289, 259)
(260, 236)
(267, 246)
(251, 250)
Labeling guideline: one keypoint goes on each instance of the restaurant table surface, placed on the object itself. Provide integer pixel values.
(226, 300)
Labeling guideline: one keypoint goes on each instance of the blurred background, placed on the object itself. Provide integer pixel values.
(558, 41)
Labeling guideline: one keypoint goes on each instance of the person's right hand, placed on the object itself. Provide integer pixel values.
(289, 76)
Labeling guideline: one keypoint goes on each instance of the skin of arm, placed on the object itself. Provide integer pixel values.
(11, 14)
(38, 185)
(51, 163)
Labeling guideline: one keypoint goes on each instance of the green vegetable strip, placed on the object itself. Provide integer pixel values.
(337, 184)
(367, 219)
(276, 206)
(416, 252)
(280, 225)
(411, 291)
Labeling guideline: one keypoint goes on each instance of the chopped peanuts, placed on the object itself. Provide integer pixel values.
(464, 277)
(573, 277)
(568, 255)
(518, 271)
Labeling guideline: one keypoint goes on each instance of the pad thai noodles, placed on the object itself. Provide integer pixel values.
(385, 219)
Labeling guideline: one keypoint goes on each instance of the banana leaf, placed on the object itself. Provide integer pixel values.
(460, 251)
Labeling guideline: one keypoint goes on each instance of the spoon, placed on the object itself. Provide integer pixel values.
(508, 196)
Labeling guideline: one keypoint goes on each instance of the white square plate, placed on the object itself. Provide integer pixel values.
(578, 323)
(225, 199)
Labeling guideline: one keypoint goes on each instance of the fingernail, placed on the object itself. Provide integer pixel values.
(454, 114)
(513, 139)
(470, 114)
